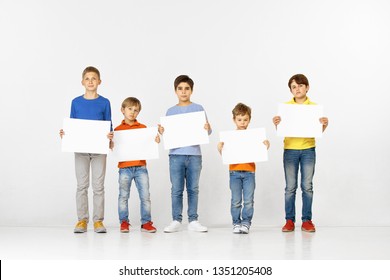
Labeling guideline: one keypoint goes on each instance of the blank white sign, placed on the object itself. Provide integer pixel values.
(85, 136)
(300, 120)
(184, 130)
(243, 146)
(135, 144)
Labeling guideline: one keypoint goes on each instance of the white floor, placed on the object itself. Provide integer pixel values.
(263, 243)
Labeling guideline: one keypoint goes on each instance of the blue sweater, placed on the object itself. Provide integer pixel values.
(91, 109)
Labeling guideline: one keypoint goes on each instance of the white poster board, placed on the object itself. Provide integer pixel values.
(243, 146)
(85, 136)
(135, 144)
(184, 130)
(300, 120)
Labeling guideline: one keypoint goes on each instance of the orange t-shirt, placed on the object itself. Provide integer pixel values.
(250, 167)
(124, 126)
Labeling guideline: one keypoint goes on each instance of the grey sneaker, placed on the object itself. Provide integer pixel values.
(244, 229)
(236, 228)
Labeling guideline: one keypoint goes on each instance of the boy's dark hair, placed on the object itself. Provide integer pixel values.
(299, 79)
(131, 101)
(91, 69)
(184, 79)
(242, 109)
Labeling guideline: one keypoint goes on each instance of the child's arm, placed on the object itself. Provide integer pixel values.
(160, 129)
(62, 133)
(207, 126)
(324, 121)
(276, 120)
(110, 136)
(157, 139)
(266, 142)
(220, 147)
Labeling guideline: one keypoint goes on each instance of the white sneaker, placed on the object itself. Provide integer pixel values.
(196, 226)
(236, 228)
(174, 226)
(244, 229)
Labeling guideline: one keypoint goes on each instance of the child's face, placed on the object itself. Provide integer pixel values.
(299, 90)
(91, 81)
(130, 113)
(242, 121)
(183, 92)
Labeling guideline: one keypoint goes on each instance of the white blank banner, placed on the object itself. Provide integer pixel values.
(243, 146)
(135, 144)
(300, 120)
(184, 130)
(85, 136)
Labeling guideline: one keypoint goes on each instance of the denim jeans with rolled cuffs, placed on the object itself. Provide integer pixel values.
(140, 175)
(242, 186)
(185, 170)
(294, 160)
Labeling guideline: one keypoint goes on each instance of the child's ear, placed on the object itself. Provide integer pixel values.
(307, 88)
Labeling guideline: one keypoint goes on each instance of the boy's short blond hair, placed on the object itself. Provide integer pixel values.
(242, 109)
(91, 69)
(131, 101)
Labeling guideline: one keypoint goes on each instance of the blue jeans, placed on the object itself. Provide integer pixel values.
(293, 160)
(242, 186)
(185, 169)
(140, 175)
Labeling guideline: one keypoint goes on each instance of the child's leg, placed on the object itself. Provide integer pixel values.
(98, 168)
(125, 177)
(249, 186)
(291, 165)
(235, 184)
(308, 160)
(177, 173)
(142, 183)
(82, 166)
(194, 166)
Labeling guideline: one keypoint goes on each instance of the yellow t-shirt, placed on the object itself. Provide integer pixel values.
(296, 143)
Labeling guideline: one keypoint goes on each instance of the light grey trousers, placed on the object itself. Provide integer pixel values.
(84, 163)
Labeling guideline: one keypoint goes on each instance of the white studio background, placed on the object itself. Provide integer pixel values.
(236, 51)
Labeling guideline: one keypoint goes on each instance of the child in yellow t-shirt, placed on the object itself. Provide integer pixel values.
(299, 153)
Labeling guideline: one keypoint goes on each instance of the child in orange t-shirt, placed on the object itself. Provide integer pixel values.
(133, 170)
(242, 178)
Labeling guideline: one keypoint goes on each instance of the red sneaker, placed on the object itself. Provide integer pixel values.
(125, 226)
(308, 226)
(289, 226)
(148, 227)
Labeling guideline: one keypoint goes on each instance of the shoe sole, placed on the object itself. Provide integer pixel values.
(308, 230)
(288, 230)
(150, 231)
(79, 231)
(125, 230)
(195, 230)
(100, 231)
